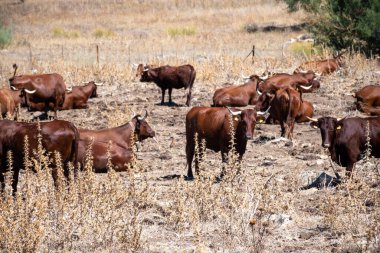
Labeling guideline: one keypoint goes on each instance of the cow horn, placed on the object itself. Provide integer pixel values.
(30, 91)
(244, 76)
(311, 119)
(134, 114)
(13, 88)
(264, 77)
(99, 84)
(15, 68)
(263, 113)
(306, 87)
(146, 68)
(234, 113)
(69, 89)
(318, 74)
(146, 115)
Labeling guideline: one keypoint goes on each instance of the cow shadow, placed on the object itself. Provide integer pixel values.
(324, 181)
(172, 104)
(42, 117)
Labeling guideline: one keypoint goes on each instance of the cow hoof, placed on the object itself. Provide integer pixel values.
(187, 178)
(218, 180)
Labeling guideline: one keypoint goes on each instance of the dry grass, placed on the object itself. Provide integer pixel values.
(258, 210)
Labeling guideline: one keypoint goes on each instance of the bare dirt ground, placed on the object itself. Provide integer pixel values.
(299, 219)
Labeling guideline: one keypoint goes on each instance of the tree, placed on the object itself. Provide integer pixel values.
(343, 23)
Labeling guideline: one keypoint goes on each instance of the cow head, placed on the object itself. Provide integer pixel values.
(139, 70)
(20, 82)
(328, 127)
(148, 75)
(142, 129)
(264, 101)
(246, 122)
(94, 88)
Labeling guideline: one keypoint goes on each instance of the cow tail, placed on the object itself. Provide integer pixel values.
(191, 80)
(74, 151)
(290, 103)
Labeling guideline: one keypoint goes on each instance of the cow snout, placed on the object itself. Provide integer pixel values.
(248, 136)
(152, 133)
(326, 145)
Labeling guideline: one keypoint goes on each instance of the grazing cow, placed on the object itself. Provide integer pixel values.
(57, 135)
(121, 135)
(44, 88)
(120, 157)
(284, 106)
(322, 67)
(213, 125)
(241, 95)
(347, 138)
(368, 99)
(140, 68)
(303, 81)
(7, 104)
(168, 77)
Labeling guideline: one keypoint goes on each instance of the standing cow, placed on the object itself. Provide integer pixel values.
(284, 106)
(347, 139)
(44, 88)
(168, 77)
(57, 135)
(213, 125)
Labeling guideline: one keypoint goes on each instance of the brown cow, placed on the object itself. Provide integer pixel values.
(303, 81)
(241, 95)
(44, 88)
(120, 157)
(7, 103)
(322, 67)
(213, 125)
(284, 106)
(141, 67)
(121, 135)
(57, 135)
(168, 77)
(304, 115)
(347, 139)
(368, 99)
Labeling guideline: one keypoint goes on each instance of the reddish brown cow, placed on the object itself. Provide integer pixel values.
(57, 135)
(213, 125)
(140, 68)
(121, 135)
(306, 112)
(168, 77)
(284, 106)
(44, 88)
(241, 95)
(347, 139)
(322, 67)
(7, 104)
(303, 81)
(368, 99)
(120, 157)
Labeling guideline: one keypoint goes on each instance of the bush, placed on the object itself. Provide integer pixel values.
(100, 33)
(344, 24)
(181, 31)
(305, 49)
(61, 33)
(5, 36)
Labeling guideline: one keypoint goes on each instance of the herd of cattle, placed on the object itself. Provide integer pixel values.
(274, 99)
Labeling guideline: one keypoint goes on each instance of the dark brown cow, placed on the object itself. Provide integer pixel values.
(284, 106)
(322, 67)
(168, 77)
(121, 135)
(368, 99)
(241, 95)
(303, 81)
(213, 125)
(57, 135)
(120, 157)
(7, 104)
(44, 88)
(346, 139)
(140, 68)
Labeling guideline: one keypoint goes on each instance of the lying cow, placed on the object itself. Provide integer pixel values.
(44, 88)
(241, 95)
(284, 106)
(120, 157)
(368, 99)
(212, 124)
(7, 103)
(122, 135)
(169, 78)
(346, 139)
(322, 67)
(57, 135)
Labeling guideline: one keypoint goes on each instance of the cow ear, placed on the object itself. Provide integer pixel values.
(236, 118)
(339, 126)
(260, 119)
(314, 124)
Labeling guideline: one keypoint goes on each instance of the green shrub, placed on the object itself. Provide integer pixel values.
(305, 49)
(181, 31)
(103, 33)
(61, 33)
(5, 36)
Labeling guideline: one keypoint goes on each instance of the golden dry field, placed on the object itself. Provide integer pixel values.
(151, 208)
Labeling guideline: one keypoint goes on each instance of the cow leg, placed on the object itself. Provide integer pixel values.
(283, 127)
(188, 100)
(2, 180)
(162, 96)
(190, 148)
(15, 181)
(170, 96)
